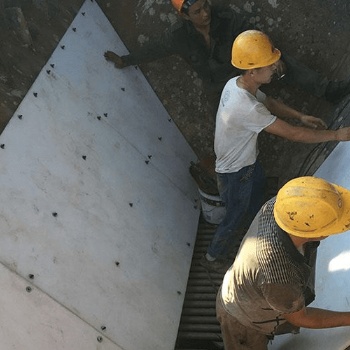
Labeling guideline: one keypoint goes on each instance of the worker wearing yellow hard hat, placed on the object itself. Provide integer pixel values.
(267, 290)
(245, 111)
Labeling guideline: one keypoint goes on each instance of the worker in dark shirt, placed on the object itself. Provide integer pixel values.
(204, 40)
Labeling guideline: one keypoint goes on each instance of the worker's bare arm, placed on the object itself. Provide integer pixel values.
(309, 317)
(306, 135)
(283, 111)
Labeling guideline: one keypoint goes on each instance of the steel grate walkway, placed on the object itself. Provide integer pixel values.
(199, 328)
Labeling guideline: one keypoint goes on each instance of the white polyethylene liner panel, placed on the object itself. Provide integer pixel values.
(333, 271)
(32, 320)
(100, 205)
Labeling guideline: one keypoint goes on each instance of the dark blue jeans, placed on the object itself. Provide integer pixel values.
(243, 195)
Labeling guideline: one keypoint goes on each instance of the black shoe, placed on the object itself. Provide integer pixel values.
(217, 265)
(336, 90)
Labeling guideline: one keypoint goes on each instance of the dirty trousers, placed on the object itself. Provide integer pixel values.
(235, 335)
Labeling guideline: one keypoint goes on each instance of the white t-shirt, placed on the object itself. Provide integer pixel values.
(240, 118)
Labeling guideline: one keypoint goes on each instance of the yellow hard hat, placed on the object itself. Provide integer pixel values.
(311, 207)
(182, 4)
(253, 49)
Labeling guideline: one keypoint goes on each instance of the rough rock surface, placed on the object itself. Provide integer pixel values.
(316, 32)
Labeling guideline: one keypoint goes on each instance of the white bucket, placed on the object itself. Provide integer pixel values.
(213, 208)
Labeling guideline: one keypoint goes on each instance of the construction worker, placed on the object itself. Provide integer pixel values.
(244, 111)
(267, 290)
(204, 40)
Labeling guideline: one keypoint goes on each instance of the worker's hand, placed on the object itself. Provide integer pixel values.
(313, 122)
(113, 57)
(343, 134)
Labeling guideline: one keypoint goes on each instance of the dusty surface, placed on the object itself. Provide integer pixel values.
(316, 32)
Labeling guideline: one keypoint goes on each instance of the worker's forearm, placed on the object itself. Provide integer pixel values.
(306, 135)
(319, 318)
(281, 110)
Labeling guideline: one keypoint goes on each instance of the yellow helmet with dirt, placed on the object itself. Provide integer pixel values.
(311, 207)
(180, 5)
(253, 49)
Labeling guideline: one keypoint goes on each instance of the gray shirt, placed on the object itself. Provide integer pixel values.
(269, 277)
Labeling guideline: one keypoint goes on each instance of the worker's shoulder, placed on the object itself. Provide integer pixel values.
(178, 26)
(224, 12)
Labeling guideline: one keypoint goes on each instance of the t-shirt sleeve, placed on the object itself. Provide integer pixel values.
(284, 298)
(259, 118)
(260, 96)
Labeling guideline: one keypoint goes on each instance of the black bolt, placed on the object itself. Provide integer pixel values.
(48, 71)
(54, 215)
(20, 116)
(188, 244)
(178, 292)
(29, 289)
(99, 338)
(35, 94)
(2, 146)
(131, 205)
(123, 89)
(52, 65)
(99, 117)
(169, 120)
(160, 138)
(84, 157)
(146, 161)
(150, 156)
(31, 276)
(117, 263)
(62, 47)
(103, 328)
(74, 29)
(83, 13)
(105, 114)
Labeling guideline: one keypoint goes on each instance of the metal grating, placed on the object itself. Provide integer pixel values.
(199, 328)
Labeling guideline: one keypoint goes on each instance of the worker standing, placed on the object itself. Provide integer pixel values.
(267, 290)
(244, 111)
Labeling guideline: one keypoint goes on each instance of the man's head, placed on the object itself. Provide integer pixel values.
(311, 207)
(196, 11)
